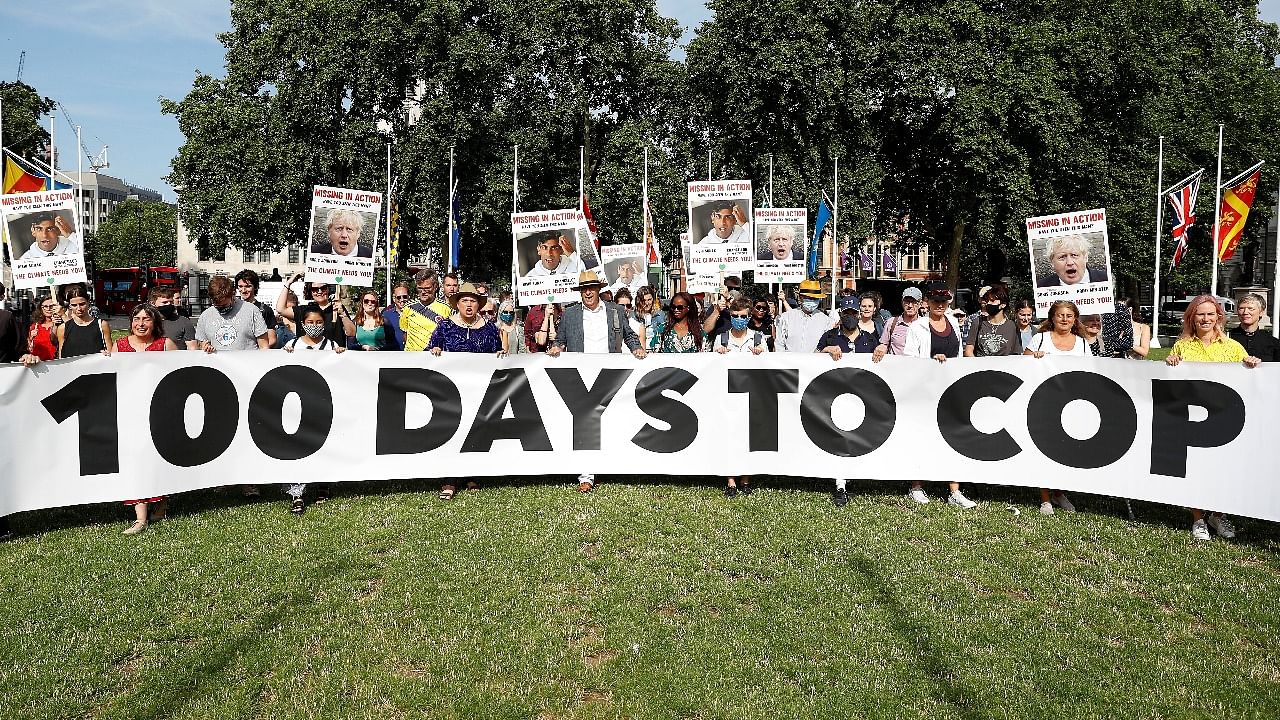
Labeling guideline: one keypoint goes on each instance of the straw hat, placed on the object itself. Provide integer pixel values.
(588, 279)
(467, 290)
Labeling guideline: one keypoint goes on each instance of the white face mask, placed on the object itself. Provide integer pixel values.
(313, 330)
(809, 305)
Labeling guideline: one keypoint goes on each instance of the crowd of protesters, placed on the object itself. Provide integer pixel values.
(439, 314)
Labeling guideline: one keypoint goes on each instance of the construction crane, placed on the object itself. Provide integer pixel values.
(22, 60)
(96, 162)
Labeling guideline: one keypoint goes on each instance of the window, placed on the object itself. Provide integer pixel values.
(248, 256)
(911, 260)
(295, 254)
(264, 256)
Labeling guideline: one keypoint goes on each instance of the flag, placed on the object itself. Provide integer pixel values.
(1184, 212)
(17, 180)
(889, 264)
(393, 253)
(455, 233)
(650, 242)
(591, 225)
(868, 265)
(820, 226)
(1236, 202)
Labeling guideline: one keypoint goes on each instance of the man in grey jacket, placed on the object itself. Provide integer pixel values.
(594, 326)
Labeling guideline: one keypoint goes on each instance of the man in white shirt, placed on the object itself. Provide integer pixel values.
(800, 328)
(728, 224)
(551, 258)
(52, 236)
(594, 326)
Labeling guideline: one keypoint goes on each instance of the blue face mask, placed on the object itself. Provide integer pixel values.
(506, 317)
(738, 323)
(809, 305)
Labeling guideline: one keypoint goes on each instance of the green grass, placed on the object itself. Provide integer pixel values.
(652, 599)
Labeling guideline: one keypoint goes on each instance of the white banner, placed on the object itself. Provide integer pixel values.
(344, 235)
(544, 245)
(139, 425)
(45, 243)
(780, 244)
(1070, 260)
(720, 227)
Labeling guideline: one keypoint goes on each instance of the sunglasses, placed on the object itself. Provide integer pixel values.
(315, 290)
(744, 317)
(960, 316)
(400, 297)
(369, 302)
(490, 313)
(50, 306)
(760, 307)
(679, 307)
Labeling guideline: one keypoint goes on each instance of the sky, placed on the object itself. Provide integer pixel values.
(108, 63)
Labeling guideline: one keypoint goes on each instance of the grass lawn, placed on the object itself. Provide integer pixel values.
(651, 599)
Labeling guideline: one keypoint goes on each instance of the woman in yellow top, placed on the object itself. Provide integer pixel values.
(1204, 339)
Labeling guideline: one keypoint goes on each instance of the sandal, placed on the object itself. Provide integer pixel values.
(137, 527)
(446, 493)
(298, 507)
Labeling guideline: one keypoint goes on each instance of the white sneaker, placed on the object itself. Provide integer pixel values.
(918, 495)
(1199, 530)
(1046, 508)
(1221, 524)
(1061, 501)
(958, 498)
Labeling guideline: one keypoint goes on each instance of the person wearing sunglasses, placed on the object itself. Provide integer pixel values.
(371, 331)
(682, 333)
(41, 338)
(338, 325)
(82, 335)
(401, 295)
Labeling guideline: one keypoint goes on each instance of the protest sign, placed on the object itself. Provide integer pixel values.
(780, 244)
(719, 226)
(624, 266)
(544, 245)
(97, 429)
(1070, 260)
(344, 233)
(45, 244)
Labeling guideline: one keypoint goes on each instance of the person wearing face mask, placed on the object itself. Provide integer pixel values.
(739, 337)
(993, 333)
(510, 329)
(177, 328)
(312, 337)
(858, 331)
(800, 328)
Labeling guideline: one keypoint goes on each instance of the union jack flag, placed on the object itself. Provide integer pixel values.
(1184, 213)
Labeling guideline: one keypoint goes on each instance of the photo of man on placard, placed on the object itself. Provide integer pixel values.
(728, 222)
(779, 243)
(339, 231)
(45, 233)
(1067, 258)
(548, 246)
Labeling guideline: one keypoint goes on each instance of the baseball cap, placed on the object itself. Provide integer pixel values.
(912, 292)
(938, 292)
(847, 303)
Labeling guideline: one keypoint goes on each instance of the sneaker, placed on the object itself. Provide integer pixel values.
(745, 488)
(137, 527)
(298, 506)
(586, 482)
(958, 498)
(1221, 524)
(840, 497)
(918, 495)
(1046, 508)
(1199, 530)
(730, 491)
(1061, 501)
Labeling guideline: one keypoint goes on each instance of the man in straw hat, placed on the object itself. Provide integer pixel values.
(594, 326)
(800, 328)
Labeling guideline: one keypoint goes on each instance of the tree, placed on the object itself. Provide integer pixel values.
(134, 233)
(23, 108)
(306, 88)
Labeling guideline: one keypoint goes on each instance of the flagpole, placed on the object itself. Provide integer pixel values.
(515, 208)
(1155, 298)
(1217, 210)
(1275, 278)
(835, 232)
(387, 200)
(79, 216)
(582, 174)
(452, 261)
(770, 179)
(708, 163)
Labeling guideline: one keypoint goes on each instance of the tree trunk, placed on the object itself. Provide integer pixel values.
(953, 257)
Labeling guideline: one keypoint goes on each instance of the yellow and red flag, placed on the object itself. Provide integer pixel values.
(1236, 202)
(17, 180)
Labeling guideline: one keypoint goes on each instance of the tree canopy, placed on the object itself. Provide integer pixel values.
(23, 107)
(133, 233)
(964, 116)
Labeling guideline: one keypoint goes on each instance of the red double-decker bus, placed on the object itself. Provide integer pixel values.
(119, 290)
